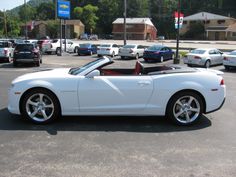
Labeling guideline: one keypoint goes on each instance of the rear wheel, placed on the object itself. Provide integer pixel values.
(58, 51)
(113, 54)
(185, 108)
(40, 106)
(76, 49)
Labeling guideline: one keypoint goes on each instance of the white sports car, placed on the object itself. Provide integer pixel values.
(182, 94)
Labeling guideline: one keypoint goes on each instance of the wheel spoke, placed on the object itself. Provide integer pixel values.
(187, 117)
(30, 102)
(179, 113)
(190, 100)
(33, 113)
(194, 109)
(41, 98)
(49, 106)
(44, 114)
(179, 103)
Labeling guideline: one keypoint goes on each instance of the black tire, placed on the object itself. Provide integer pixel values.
(188, 112)
(122, 57)
(113, 54)
(227, 68)
(15, 64)
(58, 51)
(207, 64)
(40, 106)
(76, 49)
(189, 65)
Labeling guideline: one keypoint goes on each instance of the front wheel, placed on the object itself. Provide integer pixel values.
(207, 64)
(40, 106)
(185, 108)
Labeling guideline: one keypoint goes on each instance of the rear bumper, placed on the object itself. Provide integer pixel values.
(216, 108)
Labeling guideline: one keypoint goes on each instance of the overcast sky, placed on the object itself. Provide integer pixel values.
(10, 4)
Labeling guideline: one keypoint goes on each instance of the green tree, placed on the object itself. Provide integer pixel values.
(27, 13)
(53, 28)
(46, 11)
(87, 15)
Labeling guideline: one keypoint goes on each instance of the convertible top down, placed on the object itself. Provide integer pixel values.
(181, 94)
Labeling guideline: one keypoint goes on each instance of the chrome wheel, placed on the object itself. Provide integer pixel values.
(39, 107)
(186, 109)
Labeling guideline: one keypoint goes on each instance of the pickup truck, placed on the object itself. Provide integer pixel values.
(54, 46)
(6, 51)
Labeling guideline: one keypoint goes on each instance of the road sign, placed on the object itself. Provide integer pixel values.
(181, 19)
(63, 9)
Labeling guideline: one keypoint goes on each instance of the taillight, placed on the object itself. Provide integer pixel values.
(197, 57)
(108, 49)
(5, 51)
(222, 82)
(225, 58)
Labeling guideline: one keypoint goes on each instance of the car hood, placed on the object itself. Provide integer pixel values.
(50, 73)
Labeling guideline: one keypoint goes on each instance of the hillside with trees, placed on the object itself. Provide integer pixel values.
(98, 15)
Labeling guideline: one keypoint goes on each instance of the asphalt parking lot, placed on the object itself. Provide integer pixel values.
(115, 146)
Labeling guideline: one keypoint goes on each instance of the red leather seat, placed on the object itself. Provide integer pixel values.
(138, 68)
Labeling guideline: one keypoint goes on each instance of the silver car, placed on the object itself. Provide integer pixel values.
(204, 57)
(230, 60)
(131, 51)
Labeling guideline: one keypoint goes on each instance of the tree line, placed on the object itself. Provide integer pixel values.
(98, 15)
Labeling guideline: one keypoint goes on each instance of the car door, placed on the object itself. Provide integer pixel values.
(219, 57)
(114, 94)
(213, 57)
(140, 49)
(115, 48)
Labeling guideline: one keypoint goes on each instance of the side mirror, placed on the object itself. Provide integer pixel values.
(93, 74)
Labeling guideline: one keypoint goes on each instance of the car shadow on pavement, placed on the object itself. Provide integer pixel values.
(102, 124)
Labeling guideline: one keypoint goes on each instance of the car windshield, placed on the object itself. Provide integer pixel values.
(105, 45)
(75, 71)
(24, 47)
(233, 53)
(155, 47)
(198, 51)
(129, 46)
(84, 45)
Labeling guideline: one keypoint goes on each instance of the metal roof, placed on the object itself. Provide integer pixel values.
(206, 16)
(134, 21)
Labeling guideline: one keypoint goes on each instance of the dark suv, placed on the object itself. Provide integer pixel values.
(27, 53)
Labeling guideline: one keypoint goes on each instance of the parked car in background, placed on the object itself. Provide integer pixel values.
(87, 49)
(84, 36)
(108, 49)
(131, 51)
(93, 37)
(44, 44)
(54, 46)
(158, 53)
(229, 60)
(6, 51)
(27, 53)
(205, 57)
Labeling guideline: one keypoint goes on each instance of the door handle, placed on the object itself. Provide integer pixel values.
(143, 83)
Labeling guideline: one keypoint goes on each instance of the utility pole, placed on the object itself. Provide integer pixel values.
(26, 30)
(177, 60)
(5, 23)
(125, 11)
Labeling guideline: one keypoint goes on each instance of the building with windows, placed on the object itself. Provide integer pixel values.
(136, 28)
(217, 27)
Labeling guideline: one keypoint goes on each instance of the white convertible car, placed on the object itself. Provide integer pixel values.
(180, 94)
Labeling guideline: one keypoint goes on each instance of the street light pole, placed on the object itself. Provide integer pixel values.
(125, 10)
(177, 60)
(26, 31)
